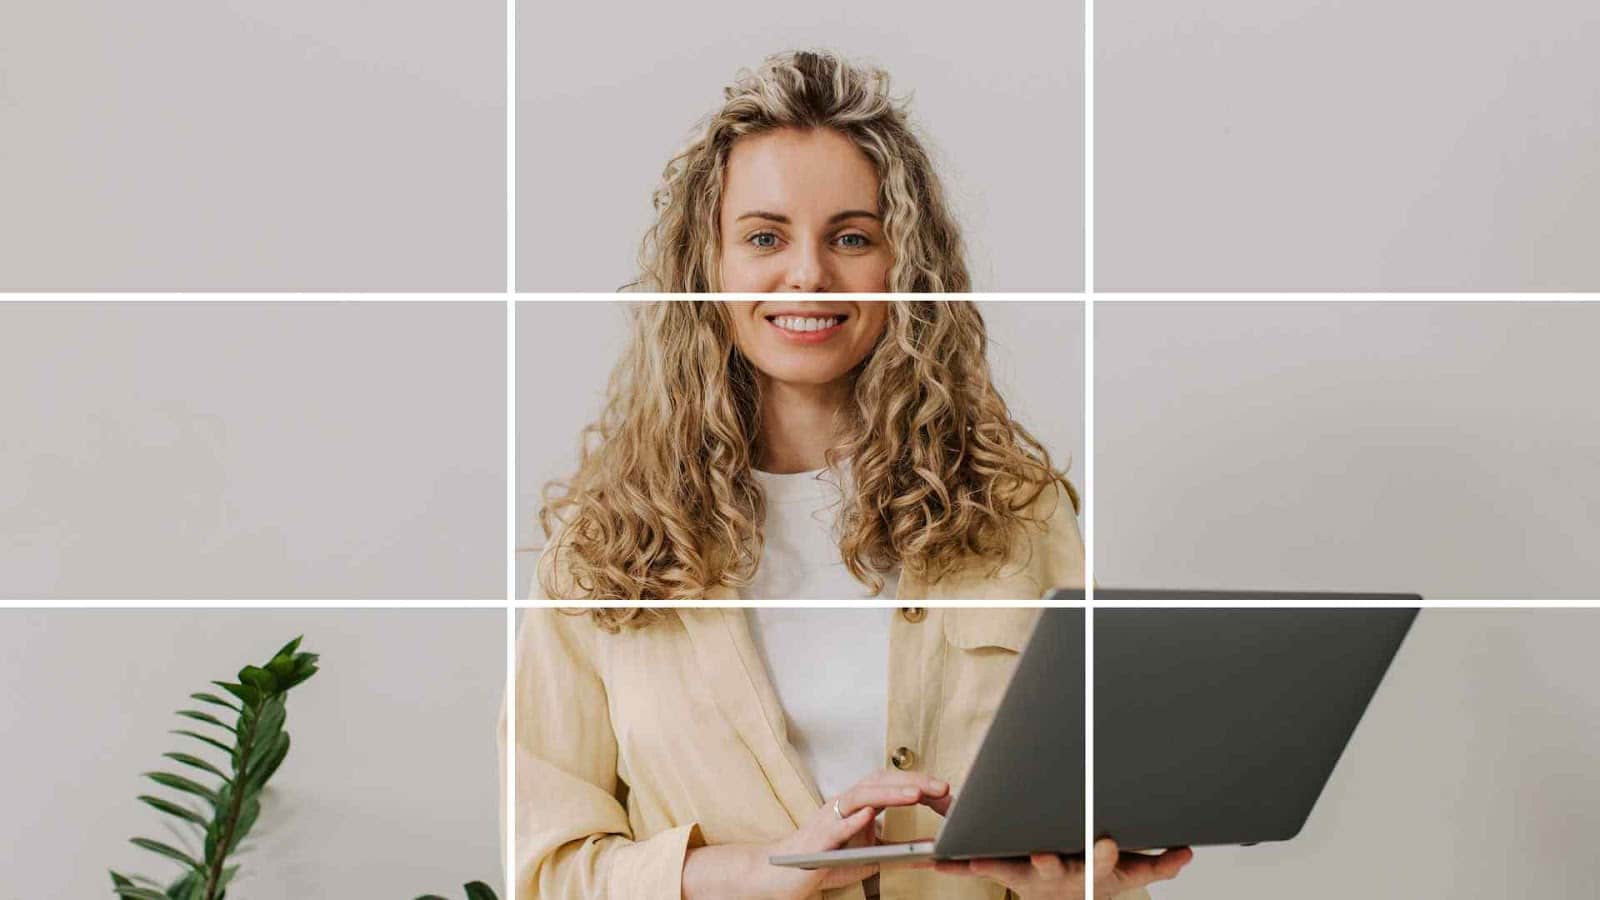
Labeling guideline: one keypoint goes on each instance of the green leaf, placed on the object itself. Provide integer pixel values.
(477, 890)
(260, 679)
(180, 783)
(173, 809)
(268, 725)
(195, 762)
(305, 666)
(207, 718)
(246, 694)
(208, 740)
(256, 776)
(191, 886)
(290, 648)
(214, 700)
(249, 811)
(135, 892)
(167, 851)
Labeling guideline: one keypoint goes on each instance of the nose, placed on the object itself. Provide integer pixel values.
(808, 271)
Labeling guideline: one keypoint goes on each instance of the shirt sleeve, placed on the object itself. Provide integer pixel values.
(1059, 546)
(573, 838)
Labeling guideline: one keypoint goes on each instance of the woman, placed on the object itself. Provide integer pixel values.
(809, 178)
(670, 752)
(808, 449)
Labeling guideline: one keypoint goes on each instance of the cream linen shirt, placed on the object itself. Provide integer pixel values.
(633, 747)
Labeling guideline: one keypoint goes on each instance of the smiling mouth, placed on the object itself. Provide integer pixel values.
(807, 324)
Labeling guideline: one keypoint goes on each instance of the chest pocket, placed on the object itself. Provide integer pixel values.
(983, 646)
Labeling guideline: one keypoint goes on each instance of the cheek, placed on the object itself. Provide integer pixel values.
(866, 274)
(741, 275)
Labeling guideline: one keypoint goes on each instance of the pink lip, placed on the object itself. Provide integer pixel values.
(806, 337)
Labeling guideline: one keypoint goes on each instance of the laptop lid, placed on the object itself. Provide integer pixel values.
(1024, 792)
(1222, 726)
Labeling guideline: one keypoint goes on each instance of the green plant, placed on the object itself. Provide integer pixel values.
(221, 815)
(477, 890)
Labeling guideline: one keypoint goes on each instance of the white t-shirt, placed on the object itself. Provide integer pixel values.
(800, 553)
(830, 669)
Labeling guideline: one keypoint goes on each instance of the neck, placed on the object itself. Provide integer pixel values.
(797, 424)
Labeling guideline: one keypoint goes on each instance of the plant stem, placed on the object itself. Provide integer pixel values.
(230, 819)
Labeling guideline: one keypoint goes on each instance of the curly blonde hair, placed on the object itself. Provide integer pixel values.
(663, 504)
(806, 90)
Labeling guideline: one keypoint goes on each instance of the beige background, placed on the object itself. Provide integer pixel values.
(246, 145)
(244, 450)
(1352, 146)
(1444, 448)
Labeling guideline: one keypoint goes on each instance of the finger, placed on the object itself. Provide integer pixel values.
(933, 787)
(878, 797)
(1011, 873)
(1139, 869)
(951, 867)
(1048, 866)
(1105, 858)
(837, 831)
(884, 796)
(847, 875)
(1073, 864)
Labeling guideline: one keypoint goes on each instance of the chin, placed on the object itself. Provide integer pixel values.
(807, 372)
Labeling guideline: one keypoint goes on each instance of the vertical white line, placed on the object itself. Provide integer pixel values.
(508, 885)
(1089, 491)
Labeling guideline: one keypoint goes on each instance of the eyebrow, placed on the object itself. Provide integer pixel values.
(832, 220)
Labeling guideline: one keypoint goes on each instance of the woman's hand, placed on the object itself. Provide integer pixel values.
(1046, 876)
(742, 871)
(1116, 872)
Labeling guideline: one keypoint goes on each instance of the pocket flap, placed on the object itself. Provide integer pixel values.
(972, 628)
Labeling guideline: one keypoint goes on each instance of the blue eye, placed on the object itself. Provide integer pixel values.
(765, 240)
(853, 241)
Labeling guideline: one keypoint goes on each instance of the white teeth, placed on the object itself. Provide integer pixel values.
(805, 323)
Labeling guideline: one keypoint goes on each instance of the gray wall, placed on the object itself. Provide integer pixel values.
(602, 105)
(1446, 448)
(1358, 145)
(244, 450)
(1472, 776)
(245, 145)
(390, 789)
(1036, 354)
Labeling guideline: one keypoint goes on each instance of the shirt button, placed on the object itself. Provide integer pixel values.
(903, 758)
(913, 614)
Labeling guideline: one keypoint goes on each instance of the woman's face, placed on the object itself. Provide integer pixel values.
(800, 214)
(806, 341)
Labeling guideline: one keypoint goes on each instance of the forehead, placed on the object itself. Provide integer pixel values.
(800, 174)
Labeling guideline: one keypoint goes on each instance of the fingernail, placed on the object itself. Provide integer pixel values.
(910, 792)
